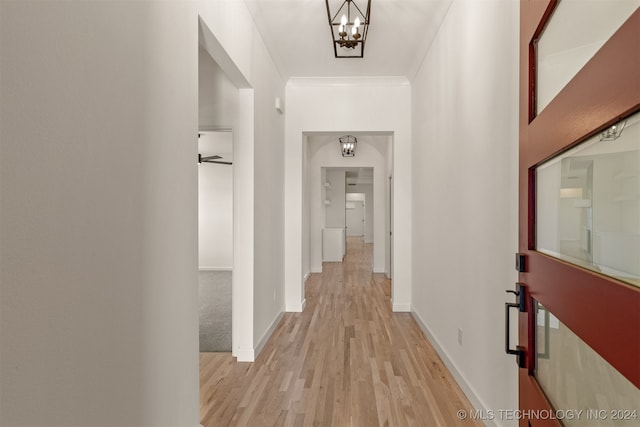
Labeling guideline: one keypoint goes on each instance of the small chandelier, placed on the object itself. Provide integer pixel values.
(349, 28)
(348, 145)
(612, 133)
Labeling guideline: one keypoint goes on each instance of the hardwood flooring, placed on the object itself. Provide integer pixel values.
(347, 360)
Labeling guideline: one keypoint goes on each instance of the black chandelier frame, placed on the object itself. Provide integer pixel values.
(345, 42)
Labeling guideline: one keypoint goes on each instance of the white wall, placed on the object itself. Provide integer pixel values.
(98, 216)
(98, 256)
(324, 153)
(215, 203)
(370, 105)
(217, 95)
(334, 214)
(464, 116)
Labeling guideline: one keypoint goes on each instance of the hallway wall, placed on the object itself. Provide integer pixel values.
(98, 180)
(465, 160)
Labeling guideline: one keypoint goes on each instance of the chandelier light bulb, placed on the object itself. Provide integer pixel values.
(349, 28)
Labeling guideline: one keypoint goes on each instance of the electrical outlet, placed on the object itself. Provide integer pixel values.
(460, 337)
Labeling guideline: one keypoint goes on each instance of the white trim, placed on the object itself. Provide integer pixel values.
(349, 81)
(215, 269)
(245, 354)
(296, 308)
(268, 333)
(306, 276)
(401, 308)
(378, 270)
(462, 381)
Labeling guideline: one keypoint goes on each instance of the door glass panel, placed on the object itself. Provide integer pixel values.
(576, 31)
(575, 378)
(588, 203)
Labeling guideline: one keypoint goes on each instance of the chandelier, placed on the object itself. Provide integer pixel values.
(349, 27)
(348, 145)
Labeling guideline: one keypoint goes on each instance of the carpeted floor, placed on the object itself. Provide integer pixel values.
(215, 311)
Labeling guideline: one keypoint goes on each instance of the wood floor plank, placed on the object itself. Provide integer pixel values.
(347, 360)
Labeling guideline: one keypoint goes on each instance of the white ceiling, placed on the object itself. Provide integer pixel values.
(298, 37)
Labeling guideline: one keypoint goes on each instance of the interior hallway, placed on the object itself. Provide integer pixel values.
(347, 360)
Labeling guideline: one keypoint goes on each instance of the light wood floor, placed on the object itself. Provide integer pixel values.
(347, 360)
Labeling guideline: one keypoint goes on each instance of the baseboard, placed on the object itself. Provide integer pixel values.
(306, 276)
(379, 270)
(316, 269)
(268, 333)
(245, 354)
(296, 308)
(401, 308)
(215, 268)
(462, 381)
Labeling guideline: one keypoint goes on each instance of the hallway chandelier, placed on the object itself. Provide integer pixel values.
(348, 145)
(349, 27)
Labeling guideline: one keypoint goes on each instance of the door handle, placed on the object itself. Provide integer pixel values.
(519, 351)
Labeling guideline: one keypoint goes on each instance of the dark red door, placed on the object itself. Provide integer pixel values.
(579, 281)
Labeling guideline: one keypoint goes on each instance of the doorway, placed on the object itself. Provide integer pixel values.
(218, 109)
(215, 239)
(355, 208)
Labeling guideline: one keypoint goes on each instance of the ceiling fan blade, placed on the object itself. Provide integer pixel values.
(218, 162)
(212, 159)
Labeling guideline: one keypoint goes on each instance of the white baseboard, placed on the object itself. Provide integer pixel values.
(268, 333)
(306, 276)
(379, 270)
(401, 308)
(296, 308)
(215, 268)
(245, 354)
(316, 269)
(462, 381)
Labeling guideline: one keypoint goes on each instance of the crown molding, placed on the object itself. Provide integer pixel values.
(348, 81)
